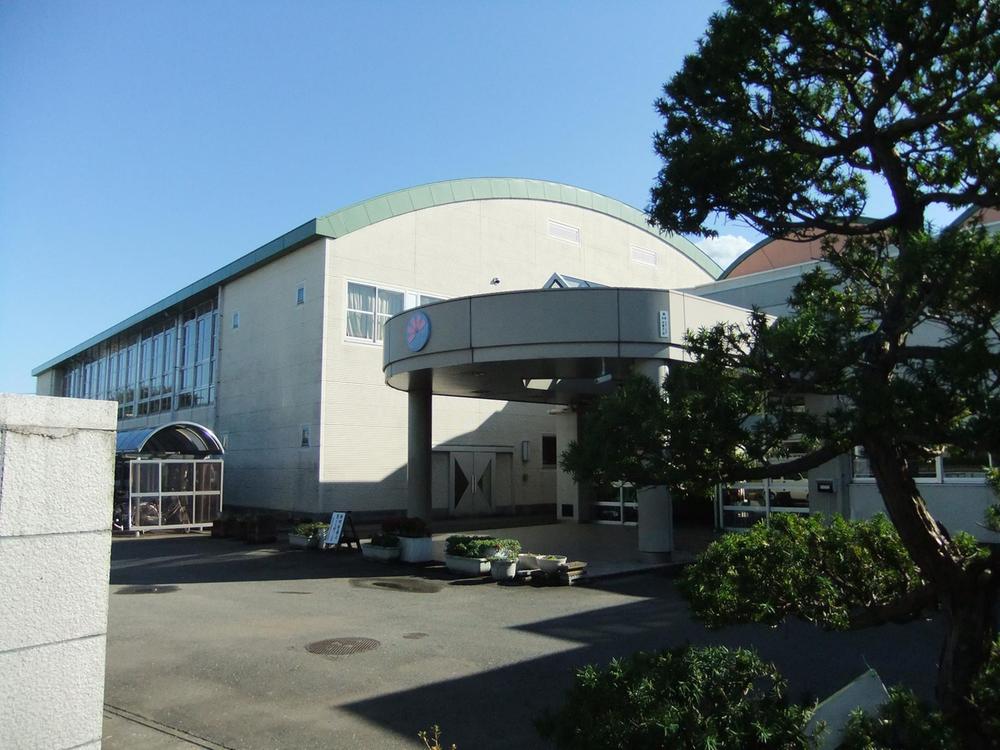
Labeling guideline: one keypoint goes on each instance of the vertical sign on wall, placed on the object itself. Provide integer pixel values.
(664, 324)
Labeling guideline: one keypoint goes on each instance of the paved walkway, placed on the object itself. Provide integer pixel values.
(207, 648)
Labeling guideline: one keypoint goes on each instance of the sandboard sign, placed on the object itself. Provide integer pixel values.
(336, 528)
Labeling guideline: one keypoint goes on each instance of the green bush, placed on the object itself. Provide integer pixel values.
(509, 548)
(464, 545)
(309, 528)
(686, 698)
(985, 695)
(993, 517)
(903, 723)
(819, 569)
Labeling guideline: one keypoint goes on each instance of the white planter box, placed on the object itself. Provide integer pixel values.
(503, 570)
(297, 541)
(416, 549)
(382, 554)
(473, 566)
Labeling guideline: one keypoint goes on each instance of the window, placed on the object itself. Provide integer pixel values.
(370, 306)
(953, 465)
(236, 320)
(300, 295)
(304, 442)
(549, 455)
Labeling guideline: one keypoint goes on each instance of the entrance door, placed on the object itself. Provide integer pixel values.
(472, 478)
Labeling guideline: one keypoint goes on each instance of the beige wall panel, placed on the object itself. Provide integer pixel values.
(451, 251)
(269, 381)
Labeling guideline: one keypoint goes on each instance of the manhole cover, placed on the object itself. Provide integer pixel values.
(342, 646)
(148, 590)
(407, 585)
(414, 636)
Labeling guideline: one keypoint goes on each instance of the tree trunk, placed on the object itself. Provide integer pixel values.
(970, 630)
(966, 591)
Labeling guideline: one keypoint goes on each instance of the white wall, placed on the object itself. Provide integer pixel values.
(56, 484)
(451, 251)
(958, 506)
(268, 382)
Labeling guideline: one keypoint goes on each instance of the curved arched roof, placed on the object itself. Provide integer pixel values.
(187, 438)
(371, 211)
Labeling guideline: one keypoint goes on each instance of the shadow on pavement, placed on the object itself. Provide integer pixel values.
(496, 709)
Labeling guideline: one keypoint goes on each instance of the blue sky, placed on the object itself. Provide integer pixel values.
(145, 144)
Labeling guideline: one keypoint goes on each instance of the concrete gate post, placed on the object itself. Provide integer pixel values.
(57, 458)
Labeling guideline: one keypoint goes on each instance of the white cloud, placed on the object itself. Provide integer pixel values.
(725, 248)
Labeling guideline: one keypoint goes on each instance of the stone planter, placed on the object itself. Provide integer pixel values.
(382, 554)
(470, 566)
(527, 561)
(416, 549)
(551, 563)
(503, 570)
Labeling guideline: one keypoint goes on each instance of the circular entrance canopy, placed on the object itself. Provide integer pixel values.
(551, 346)
(185, 438)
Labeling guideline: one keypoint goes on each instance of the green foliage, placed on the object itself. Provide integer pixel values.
(903, 723)
(693, 698)
(311, 528)
(985, 694)
(463, 545)
(992, 515)
(790, 110)
(508, 548)
(822, 571)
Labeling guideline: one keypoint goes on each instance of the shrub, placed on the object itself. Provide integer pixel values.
(985, 694)
(819, 569)
(409, 527)
(685, 698)
(903, 723)
(464, 545)
(993, 517)
(509, 548)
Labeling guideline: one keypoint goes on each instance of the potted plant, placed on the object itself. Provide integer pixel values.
(383, 547)
(503, 567)
(318, 538)
(466, 554)
(415, 543)
(527, 561)
(551, 563)
(301, 534)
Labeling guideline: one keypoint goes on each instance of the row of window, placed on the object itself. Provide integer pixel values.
(952, 465)
(166, 366)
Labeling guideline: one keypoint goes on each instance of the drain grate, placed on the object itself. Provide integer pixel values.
(148, 590)
(407, 585)
(342, 646)
(414, 636)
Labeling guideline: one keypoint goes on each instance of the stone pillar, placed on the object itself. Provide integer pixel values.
(418, 462)
(656, 510)
(56, 485)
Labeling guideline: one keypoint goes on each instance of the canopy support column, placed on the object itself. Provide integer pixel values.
(418, 463)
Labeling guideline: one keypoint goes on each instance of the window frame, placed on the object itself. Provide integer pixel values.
(409, 296)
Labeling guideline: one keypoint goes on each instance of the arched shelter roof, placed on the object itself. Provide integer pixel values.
(187, 438)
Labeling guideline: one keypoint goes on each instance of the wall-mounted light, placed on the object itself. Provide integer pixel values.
(525, 450)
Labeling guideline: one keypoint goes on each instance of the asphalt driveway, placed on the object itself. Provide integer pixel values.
(207, 647)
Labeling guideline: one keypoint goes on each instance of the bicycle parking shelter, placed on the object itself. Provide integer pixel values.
(168, 477)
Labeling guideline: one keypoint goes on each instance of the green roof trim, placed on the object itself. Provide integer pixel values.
(371, 211)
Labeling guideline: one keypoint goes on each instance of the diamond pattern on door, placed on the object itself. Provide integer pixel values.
(461, 484)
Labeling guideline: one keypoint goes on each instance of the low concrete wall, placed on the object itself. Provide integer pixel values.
(56, 483)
